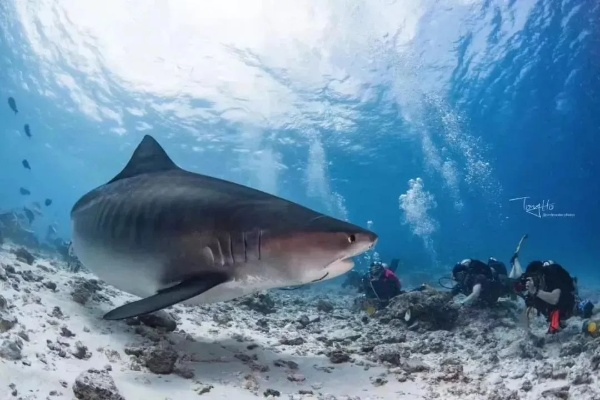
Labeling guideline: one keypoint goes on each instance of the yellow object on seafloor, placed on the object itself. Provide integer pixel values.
(369, 306)
(591, 328)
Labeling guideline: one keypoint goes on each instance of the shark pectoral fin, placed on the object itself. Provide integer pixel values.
(165, 298)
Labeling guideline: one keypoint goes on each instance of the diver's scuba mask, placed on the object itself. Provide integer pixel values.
(376, 270)
(460, 278)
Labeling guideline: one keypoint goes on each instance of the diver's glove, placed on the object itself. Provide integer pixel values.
(458, 304)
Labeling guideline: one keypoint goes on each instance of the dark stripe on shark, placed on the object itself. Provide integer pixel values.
(253, 244)
(108, 221)
(116, 220)
(136, 224)
(142, 224)
(100, 222)
(126, 224)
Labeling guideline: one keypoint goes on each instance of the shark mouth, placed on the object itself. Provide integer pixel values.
(341, 262)
(320, 279)
(338, 267)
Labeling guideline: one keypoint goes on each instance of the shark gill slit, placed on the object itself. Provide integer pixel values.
(224, 249)
(245, 247)
(259, 243)
(222, 258)
(231, 248)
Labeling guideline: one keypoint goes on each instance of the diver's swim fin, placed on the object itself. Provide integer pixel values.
(520, 243)
(167, 297)
(517, 250)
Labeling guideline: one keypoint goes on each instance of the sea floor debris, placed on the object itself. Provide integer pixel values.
(301, 344)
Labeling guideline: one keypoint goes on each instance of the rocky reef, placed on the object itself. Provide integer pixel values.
(301, 344)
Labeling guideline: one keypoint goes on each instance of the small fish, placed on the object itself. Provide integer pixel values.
(12, 104)
(48, 202)
(51, 232)
(26, 164)
(52, 229)
(29, 214)
(36, 208)
(27, 130)
(24, 192)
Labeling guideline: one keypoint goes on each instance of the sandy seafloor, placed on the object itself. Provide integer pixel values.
(301, 344)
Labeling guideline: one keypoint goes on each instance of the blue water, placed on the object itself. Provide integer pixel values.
(424, 117)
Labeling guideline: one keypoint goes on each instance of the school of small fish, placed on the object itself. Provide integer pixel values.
(12, 103)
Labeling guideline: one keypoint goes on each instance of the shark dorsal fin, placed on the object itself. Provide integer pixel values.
(148, 157)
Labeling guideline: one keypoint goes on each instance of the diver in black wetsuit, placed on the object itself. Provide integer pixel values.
(479, 281)
(552, 291)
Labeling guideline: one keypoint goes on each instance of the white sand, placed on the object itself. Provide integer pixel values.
(209, 349)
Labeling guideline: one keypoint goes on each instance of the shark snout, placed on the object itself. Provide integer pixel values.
(366, 241)
(373, 238)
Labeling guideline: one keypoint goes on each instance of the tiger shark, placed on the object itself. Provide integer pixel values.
(171, 236)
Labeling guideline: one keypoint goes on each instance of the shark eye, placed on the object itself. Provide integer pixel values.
(351, 238)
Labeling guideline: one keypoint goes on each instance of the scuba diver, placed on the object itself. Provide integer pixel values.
(380, 283)
(549, 288)
(355, 279)
(552, 291)
(479, 281)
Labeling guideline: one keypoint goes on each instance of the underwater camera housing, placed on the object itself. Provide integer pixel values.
(520, 285)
